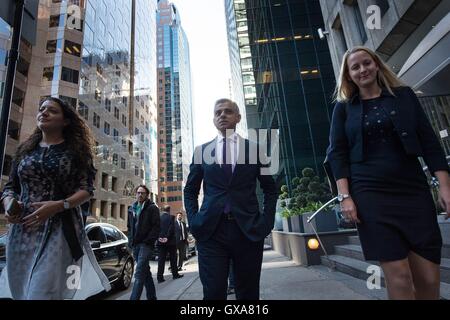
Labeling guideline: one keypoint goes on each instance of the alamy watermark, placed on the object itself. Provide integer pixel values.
(374, 20)
(263, 149)
(374, 280)
(73, 281)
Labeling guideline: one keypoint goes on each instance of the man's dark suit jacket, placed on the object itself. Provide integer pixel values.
(167, 229)
(178, 231)
(240, 191)
(409, 119)
(148, 226)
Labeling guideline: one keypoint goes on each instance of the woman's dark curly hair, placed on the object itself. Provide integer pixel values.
(77, 136)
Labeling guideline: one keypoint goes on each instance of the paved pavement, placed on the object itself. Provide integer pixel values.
(281, 279)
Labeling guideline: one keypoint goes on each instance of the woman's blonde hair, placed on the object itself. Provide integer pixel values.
(345, 88)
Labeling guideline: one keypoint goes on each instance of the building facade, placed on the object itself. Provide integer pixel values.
(99, 56)
(411, 36)
(285, 74)
(175, 126)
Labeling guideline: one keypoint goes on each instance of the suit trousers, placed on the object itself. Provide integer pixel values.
(163, 250)
(181, 246)
(214, 254)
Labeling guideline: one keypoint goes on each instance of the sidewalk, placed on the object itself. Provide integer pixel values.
(281, 279)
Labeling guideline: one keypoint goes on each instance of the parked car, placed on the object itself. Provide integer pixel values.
(111, 250)
(113, 254)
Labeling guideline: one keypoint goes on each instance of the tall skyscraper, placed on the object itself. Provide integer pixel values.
(284, 75)
(99, 56)
(175, 124)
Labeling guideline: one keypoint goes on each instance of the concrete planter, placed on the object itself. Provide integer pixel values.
(286, 224)
(325, 221)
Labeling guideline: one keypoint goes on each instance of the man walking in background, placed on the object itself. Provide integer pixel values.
(166, 244)
(143, 230)
(181, 235)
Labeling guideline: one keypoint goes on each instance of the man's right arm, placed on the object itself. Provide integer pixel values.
(192, 188)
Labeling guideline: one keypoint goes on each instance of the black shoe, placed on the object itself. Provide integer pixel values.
(161, 280)
(230, 291)
(180, 269)
(177, 276)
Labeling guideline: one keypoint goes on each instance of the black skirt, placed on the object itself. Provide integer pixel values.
(391, 195)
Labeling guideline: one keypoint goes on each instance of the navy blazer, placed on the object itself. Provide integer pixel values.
(240, 190)
(409, 119)
(167, 229)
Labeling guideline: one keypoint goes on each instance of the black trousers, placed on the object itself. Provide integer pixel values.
(163, 250)
(181, 246)
(228, 242)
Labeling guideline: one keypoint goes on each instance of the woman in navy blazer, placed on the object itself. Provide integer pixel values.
(378, 131)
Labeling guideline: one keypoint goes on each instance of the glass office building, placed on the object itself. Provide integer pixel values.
(287, 76)
(174, 106)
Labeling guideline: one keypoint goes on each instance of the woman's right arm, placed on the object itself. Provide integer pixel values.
(338, 155)
(11, 191)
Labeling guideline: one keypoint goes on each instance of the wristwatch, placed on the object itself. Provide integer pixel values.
(66, 204)
(342, 196)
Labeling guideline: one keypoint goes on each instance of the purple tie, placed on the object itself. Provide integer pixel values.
(226, 166)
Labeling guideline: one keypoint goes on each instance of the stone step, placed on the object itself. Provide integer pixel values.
(355, 252)
(354, 240)
(358, 269)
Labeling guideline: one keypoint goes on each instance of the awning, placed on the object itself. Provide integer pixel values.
(428, 67)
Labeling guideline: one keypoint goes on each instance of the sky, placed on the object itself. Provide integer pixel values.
(205, 27)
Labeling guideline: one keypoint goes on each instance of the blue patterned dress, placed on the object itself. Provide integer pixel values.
(39, 263)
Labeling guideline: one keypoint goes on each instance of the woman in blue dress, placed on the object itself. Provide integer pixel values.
(48, 255)
(378, 131)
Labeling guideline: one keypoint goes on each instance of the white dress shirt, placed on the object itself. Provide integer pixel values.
(234, 144)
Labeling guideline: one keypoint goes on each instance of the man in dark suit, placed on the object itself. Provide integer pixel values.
(143, 230)
(181, 236)
(229, 224)
(166, 244)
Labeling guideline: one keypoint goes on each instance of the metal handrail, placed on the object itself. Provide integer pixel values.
(310, 219)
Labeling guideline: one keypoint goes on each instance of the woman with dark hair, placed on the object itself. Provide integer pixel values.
(48, 253)
(378, 131)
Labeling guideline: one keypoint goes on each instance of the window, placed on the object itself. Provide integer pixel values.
(83, 110)
(123, 163)
(96, 233)
(69, 75)
(112, 234)
(122, 211)
(116, 135)
(105, 181)
(48, 74)
(115, 160)
(14, 130)
(96, 120)
(108, 104)
(55, 21)
(69, 100)
(107, 128)
(105, 153)
(71, 48)
(114, 183)
(98, 96)
(116, 113)
(124, 120)
(136, 171)
(18, 97)
(23, 66)
(104, 210)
